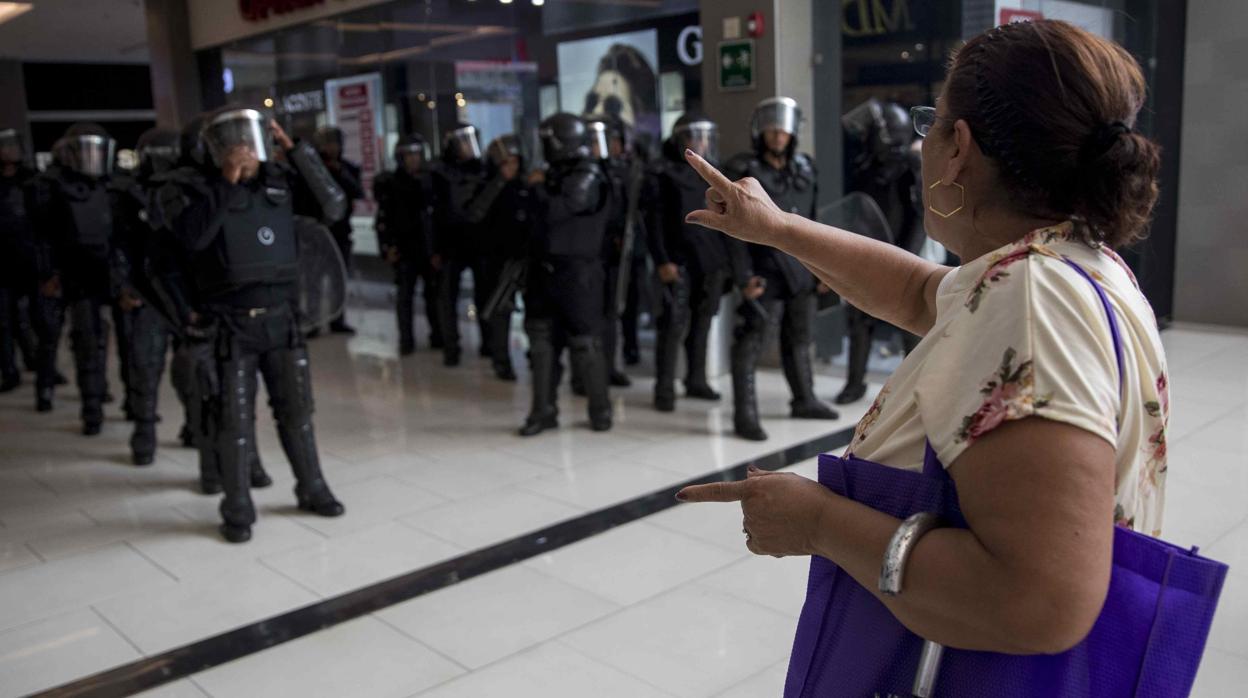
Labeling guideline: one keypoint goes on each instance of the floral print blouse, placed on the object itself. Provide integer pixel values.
(1019, 333)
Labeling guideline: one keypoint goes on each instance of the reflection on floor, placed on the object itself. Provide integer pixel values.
(102, 563)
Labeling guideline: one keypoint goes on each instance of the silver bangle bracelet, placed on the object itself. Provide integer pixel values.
(899, 548)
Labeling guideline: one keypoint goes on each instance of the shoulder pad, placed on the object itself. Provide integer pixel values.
(804, 164)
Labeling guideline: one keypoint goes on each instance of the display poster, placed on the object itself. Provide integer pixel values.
(355, 106)
(614, 74)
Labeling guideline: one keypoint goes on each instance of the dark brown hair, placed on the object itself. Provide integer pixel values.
(1054, 106)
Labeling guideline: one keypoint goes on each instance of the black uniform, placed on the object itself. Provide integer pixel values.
(564, 298)
(404, 210)
(72, 218)
(241, 238)
(620, 173)
(691, 302)
(789, 298)
(502, 210)
(456, 241)
(17, 280)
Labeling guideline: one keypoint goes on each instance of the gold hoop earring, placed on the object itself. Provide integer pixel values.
(961, 198)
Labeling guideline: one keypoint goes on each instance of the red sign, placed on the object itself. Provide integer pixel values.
(1010, 16)
(259, 10)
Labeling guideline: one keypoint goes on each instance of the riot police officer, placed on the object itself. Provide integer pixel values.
(404, 208)
(328, 141)
(502, 210)
(148, 332)
(565, 284)
(238, 226)
(455, 181)
(72, 218)
(607, 145)
(193, 370)
(880, 164)
(784, 289)
(16, 258)
(692, 262)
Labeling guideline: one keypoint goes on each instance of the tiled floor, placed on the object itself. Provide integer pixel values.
(102, 563)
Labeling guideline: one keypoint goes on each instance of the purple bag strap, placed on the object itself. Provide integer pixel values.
(932, 466)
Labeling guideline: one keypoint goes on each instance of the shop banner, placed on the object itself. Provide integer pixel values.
(355, 106)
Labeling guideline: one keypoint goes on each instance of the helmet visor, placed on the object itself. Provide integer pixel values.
(160, 157)
(240, 128)
(702, 137)
(782, 114)
(418, 149)
(88, 154)
(463, 143)
(10, 146)
(597, 135)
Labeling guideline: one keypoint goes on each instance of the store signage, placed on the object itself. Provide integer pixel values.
(259, 10)
(1009, 16)
(689, 45)
(355, 106)
(298, 102)
(736, 65)
(861, 18)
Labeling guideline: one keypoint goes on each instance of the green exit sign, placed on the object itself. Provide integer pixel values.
(736, 65)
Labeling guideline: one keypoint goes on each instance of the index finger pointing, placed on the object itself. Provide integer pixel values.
(707, 171)
(713, 492)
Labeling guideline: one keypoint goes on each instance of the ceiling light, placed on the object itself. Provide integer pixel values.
(538, 3)
(268, 102)
(461, 103)
(432, 104)
(421, 97)
(9, 10)
(505, 2)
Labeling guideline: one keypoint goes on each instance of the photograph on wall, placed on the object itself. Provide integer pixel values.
(613, 75)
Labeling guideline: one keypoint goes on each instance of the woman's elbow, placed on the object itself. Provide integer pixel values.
(1055, 617)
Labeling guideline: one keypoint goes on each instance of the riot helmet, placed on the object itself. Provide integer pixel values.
(461, 143)
(328, 141)
(411, 147)
(898, 128)
(11, 150)
(86, 149)
(597, 135)
(564, 137)
(697, 133)
(233, 127)
(780, 113)
(158, 150)
(505, 147)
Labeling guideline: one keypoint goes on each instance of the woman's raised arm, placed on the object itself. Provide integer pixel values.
(882, 280)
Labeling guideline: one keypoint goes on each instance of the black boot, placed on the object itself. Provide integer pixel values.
(92, 418)
(800, 374)
(186, 436)
(258, 477)
(745, 351)
(543, 414)
(43, 400)
(859, 353)
(143, 443)
(587, 356)
(618, 379)
(666, 348)
(696, 341)
(504, 371)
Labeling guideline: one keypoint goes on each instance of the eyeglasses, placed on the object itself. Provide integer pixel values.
(924, 118)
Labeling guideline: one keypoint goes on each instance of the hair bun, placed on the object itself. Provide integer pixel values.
(1120, 185)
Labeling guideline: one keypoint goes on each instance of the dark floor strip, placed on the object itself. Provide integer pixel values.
(217, 650)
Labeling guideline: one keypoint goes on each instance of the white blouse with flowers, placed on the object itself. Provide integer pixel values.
(1019, 333)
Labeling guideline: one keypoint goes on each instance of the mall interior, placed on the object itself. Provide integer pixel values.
(493, 530)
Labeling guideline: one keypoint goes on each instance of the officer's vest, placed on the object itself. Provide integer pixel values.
(257, 241)
(90, 217)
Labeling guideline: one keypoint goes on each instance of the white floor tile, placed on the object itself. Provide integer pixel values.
(632, 562)
(465, 474)
(549, 671)
(199, 551)
(718, 523)
(602, 483)
(160, 620)
(1198, 515)
(363, 657)
(1221, 674)
(768, 682)
(351, 561)
(39, 591)
(372, 502)
(478, 522)
(13, 555)
(58, 649)
(1228, 434)
(694, 641)
(776, 583)
(486, 618)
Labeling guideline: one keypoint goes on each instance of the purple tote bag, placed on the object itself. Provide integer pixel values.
(1147, 641)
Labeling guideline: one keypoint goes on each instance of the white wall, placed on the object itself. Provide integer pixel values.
(1211, 268)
